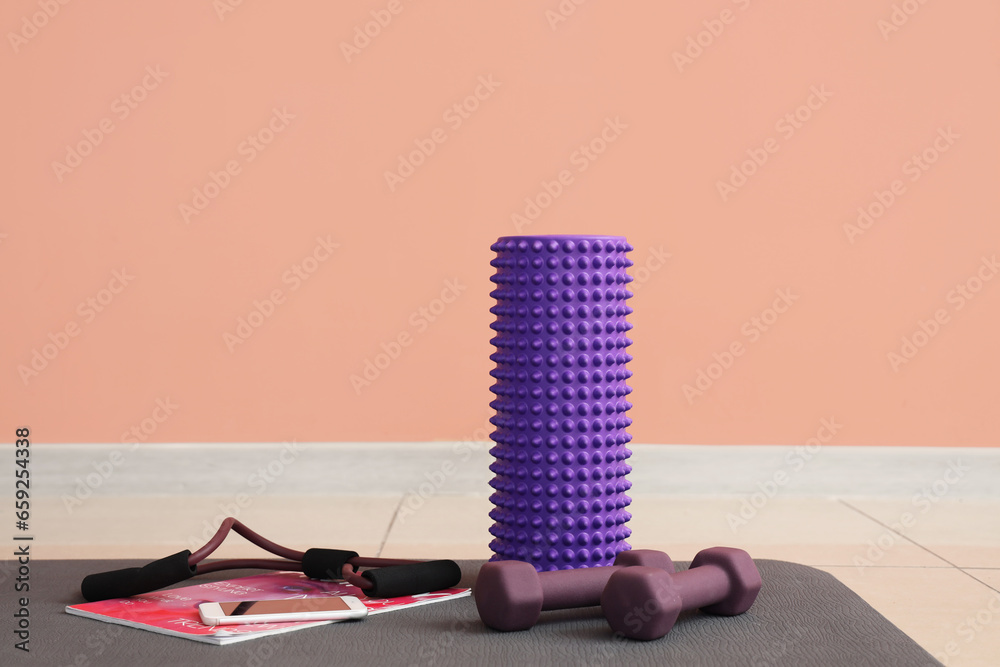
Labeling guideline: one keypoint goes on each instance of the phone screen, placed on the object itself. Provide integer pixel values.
(296, 606)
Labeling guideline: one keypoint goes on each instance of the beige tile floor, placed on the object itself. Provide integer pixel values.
(924, 553)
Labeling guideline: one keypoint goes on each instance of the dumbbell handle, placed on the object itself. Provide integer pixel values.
(701, 586)
(568, 589)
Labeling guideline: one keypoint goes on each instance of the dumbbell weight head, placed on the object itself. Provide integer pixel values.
(642, 606)
(511, 595)
(645, 558)
(743, 575)
(644, 603)
(508, 595)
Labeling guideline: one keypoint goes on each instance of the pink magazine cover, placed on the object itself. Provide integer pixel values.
(175, 612)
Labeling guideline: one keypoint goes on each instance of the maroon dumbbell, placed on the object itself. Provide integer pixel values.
(644, 602)
(511, 595)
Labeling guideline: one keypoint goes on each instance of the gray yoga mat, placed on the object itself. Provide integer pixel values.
(803, 617)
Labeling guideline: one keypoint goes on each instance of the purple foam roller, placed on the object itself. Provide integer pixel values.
(561, 398)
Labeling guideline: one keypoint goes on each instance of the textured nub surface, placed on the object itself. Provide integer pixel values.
(561, 400)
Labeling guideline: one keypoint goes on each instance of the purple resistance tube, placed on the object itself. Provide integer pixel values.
(561, 398)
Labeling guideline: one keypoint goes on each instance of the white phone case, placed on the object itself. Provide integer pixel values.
(211, 614)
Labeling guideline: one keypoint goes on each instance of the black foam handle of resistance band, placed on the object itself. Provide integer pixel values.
(135, 580)
(399, 580)
(325, 563)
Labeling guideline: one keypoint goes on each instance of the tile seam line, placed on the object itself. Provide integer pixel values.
(917, 544)
(392, 522)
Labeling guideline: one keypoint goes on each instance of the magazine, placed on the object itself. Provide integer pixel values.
(174, 612)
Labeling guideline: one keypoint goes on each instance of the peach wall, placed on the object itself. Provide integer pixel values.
(229, 163)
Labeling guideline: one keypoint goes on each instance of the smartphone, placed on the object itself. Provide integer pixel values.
(240, 612)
